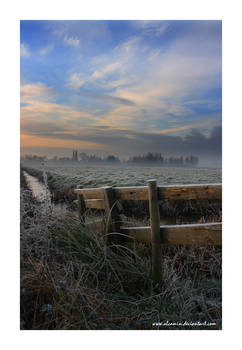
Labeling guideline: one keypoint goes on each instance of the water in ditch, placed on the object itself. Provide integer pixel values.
(43, 194)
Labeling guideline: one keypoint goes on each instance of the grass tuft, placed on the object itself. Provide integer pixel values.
(71, 279)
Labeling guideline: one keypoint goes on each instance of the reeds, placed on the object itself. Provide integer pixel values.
(71, 279)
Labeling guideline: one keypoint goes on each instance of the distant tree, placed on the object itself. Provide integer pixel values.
(94, 159)
(193, 160)
(35, 158)
(112, 159)
(64, 159)
(157, 158)
(83, 157)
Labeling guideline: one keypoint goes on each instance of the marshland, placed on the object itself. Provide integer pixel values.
(115, 103)
(70, 277)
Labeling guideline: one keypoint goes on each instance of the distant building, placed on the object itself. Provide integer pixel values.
(74, 156)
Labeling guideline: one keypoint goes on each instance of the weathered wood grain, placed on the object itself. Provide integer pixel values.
(90, 193)
(95, 203)
(155, 231)
(203, 191)
(208, 234)
(81, 207)
(209, 191)
(131, 193)
(141, 234)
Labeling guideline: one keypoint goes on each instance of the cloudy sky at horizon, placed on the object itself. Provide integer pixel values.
(122, 87)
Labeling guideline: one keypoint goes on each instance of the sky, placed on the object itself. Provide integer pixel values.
(121, 87)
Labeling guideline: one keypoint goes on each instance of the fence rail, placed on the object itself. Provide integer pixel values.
(207, 191)
(188, 234)
(107, 199)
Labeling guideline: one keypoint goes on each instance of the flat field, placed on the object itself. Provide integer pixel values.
(64, 177)
(70, 175)
(71, 280)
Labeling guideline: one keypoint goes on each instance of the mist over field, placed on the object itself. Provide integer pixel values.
(107, 104)
(209, 149)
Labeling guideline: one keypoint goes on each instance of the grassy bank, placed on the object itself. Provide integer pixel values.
(70, 279)
(62, 189)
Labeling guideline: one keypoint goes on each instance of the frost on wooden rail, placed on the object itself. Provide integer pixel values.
(188, 234)
(185, 192)
(192, 234)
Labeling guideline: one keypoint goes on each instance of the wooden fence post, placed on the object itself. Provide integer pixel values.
(81, 207)
(155, 231)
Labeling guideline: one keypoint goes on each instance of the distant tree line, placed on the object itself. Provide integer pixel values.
(85, 158)
(149, 158)
(34, 158)
(158, 159)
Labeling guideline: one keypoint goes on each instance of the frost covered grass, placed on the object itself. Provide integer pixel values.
(63, 179)
(88, 176)
(70, 278)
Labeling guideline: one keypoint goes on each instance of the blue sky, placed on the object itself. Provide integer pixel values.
(123, 87)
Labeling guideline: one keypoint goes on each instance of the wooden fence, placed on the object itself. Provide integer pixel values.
(107, 198)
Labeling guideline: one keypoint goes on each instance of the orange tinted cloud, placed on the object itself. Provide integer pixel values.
(182, 128)
(36, 141)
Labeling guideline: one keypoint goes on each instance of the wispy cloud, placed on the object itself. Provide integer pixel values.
(110, 70)
(182, 128)
(151, 28)
(128, 141)
(24, 50)
(75, 81)
(112, 99)
(36, 92)
(118, 60)
(51, 145)
(63, 31)
(72, 41)
(106, 69)
(157, 78)
(161, 87)
(46, 50)
(74, 33)
(38, 101)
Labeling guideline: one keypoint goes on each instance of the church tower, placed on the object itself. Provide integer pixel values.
(74, 156)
